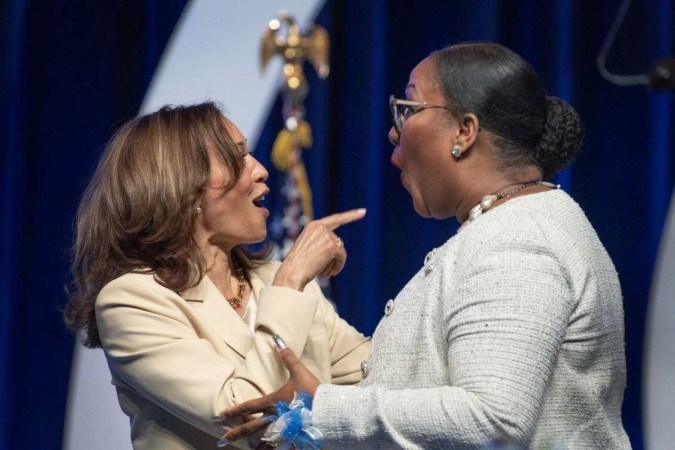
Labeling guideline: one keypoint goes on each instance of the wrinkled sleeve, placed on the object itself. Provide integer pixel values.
(505, 319)
(153, 347)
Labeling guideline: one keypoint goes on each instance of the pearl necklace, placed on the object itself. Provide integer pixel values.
(479, 209)
(489, 200)
(237, 299)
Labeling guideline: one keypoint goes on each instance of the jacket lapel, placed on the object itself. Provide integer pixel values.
(221, 316)
(260, 278)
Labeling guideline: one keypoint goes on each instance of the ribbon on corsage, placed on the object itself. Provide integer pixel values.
(292, 425)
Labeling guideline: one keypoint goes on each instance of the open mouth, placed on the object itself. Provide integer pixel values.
(258, 200)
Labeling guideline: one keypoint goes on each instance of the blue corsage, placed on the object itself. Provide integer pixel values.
(292, 425)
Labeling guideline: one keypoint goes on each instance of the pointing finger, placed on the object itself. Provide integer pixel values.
(334, 221)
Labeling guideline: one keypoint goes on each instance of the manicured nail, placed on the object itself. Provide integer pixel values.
(362, 210)
(281, 345)
(222, 443)
(219, 418)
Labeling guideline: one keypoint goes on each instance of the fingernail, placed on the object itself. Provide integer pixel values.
(362, 210)
(222, 443)
(219, 418)
(281, 345)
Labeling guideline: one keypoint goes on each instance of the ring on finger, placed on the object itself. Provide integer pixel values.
(339, 242)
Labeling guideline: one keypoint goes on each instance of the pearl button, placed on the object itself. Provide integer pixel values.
(389, 307)
(364, 369)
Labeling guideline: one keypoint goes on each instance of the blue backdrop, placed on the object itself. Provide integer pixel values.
(72, 72)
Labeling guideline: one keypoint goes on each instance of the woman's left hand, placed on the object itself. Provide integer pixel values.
(301, 380)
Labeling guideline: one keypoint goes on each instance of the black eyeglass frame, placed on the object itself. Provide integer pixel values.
(399, 119)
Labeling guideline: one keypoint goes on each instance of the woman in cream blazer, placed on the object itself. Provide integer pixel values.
(176, 359)
(164, 283)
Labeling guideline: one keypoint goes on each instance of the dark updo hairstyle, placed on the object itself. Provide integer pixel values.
(509, 100)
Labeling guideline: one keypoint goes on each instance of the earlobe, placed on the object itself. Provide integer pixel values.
(469, 127)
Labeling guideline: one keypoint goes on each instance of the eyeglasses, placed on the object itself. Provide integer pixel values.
(401, 110)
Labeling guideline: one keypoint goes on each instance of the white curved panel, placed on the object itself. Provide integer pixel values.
(93, 416)
(658, 380)
(215, 53)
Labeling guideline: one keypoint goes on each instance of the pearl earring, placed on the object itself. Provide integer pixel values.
(198, 210)
(456, 151)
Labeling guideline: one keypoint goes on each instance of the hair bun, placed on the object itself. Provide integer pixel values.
(561, 139)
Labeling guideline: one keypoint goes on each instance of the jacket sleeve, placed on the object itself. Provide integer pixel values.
(506, 316)
(151, 345)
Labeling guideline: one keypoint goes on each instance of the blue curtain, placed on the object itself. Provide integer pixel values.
(623, 177)
(70, 72)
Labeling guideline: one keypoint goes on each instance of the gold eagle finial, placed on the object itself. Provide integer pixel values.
(295, 49)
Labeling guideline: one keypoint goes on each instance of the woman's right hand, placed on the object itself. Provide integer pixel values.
(317, 251)
(300, 379)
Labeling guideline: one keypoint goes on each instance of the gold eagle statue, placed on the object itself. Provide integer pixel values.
(295, 49)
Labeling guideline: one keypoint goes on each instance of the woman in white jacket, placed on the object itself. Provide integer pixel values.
(512, 331)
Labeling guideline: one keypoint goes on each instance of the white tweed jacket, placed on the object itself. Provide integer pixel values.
(512, 331)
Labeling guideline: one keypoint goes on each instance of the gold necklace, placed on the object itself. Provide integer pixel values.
(237, 299)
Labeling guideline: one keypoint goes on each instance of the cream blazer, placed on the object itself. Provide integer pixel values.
(177, 359)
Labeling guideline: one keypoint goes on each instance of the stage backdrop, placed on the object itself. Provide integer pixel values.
(72, 72)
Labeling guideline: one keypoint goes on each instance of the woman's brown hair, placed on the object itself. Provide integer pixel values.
(137, 213)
